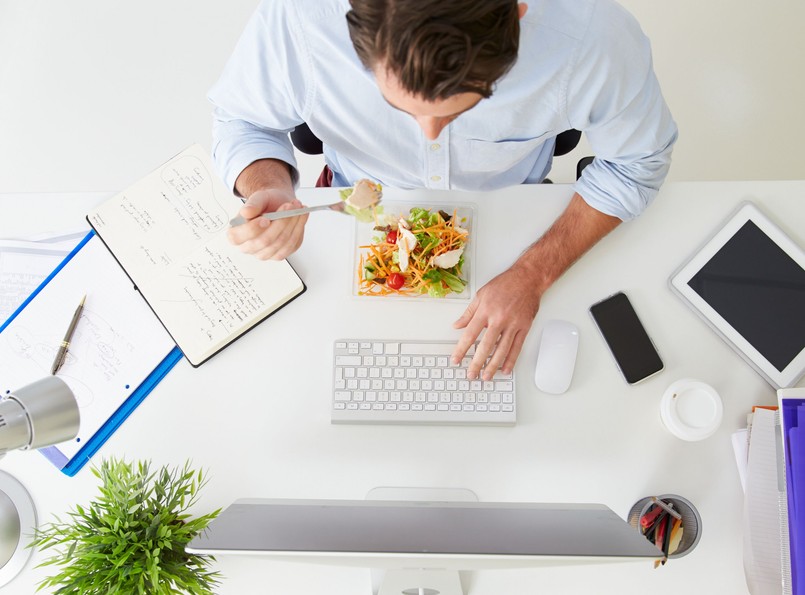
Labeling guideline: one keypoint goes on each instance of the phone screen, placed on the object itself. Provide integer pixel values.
(628, 341)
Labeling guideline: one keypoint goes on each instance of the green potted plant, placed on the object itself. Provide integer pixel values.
(131, 538)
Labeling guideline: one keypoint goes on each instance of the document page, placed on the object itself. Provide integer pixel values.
(168, 231)
(762, 539)
(24, 264)
(117, 342)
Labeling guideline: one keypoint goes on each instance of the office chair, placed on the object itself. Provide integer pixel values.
(304, 140)
(308, 143)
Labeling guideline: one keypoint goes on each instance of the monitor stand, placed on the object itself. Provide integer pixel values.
(419, 581)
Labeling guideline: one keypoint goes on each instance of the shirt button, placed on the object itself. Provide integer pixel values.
(435, 147)
(436, 178)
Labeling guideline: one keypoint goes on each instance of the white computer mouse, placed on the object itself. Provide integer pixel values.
(556, 359)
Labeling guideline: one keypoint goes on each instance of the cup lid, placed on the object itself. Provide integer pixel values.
(691, 410)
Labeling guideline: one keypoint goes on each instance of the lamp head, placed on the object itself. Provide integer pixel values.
(37, 415)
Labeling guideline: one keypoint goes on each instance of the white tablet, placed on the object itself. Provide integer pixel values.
(748, 283)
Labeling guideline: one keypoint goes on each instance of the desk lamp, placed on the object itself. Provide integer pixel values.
(37, 415)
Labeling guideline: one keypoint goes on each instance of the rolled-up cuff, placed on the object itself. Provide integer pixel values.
(239, 144)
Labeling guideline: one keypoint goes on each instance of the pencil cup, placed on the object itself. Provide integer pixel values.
(691, 520)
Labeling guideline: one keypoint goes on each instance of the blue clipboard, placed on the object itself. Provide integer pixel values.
(71, 465)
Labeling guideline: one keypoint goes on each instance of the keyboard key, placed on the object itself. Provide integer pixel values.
(427, 348)
(347, 360)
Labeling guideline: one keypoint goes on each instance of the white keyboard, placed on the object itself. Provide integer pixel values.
(413, 382)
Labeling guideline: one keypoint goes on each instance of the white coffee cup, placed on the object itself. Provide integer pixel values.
(691, 409)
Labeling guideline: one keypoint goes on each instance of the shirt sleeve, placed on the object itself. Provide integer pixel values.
(260, 95)
(613, 96)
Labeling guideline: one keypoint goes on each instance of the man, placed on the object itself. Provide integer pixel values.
(459, 94)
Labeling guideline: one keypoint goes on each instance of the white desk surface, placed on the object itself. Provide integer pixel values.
(257, 415)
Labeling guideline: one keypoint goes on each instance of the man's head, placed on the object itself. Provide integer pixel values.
(436, 59)
(437, 48)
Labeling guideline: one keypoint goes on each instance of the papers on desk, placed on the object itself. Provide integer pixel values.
(772, 463)
(25, 262)
(762, 501)
(118, 352)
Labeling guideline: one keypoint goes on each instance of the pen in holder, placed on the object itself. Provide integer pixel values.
(669, 521)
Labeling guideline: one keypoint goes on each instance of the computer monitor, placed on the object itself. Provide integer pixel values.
(422, 545)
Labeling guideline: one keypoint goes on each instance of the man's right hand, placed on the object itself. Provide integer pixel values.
(269, 240)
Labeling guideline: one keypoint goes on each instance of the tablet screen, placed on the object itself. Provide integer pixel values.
(759, 290)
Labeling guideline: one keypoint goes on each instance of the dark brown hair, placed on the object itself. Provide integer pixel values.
(437, 48)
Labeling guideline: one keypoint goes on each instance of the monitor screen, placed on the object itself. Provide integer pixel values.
(760, 291)
(422, 529)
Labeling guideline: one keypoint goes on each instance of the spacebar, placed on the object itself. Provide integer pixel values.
(430, 349)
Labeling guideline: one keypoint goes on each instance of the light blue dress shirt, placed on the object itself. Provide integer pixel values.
(582, 64)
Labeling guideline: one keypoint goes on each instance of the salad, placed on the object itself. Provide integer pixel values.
(418, 254)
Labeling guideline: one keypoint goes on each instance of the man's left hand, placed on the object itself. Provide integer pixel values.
(506, 308)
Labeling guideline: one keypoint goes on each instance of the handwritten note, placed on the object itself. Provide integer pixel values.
(168, 232)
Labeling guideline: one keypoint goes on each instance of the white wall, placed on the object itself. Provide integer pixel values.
(96, 93)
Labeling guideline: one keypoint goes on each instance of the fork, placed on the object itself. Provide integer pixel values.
(338, 207)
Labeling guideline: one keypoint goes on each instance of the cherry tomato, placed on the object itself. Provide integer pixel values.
(395, 281)
(391, 237)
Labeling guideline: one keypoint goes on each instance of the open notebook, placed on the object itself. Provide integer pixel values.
(168, 232)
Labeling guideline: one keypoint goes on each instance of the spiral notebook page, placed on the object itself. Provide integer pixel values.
(117, 344)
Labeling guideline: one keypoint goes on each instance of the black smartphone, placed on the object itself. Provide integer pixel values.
(626, 337)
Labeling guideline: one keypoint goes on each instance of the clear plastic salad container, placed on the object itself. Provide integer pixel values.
(423, 278)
